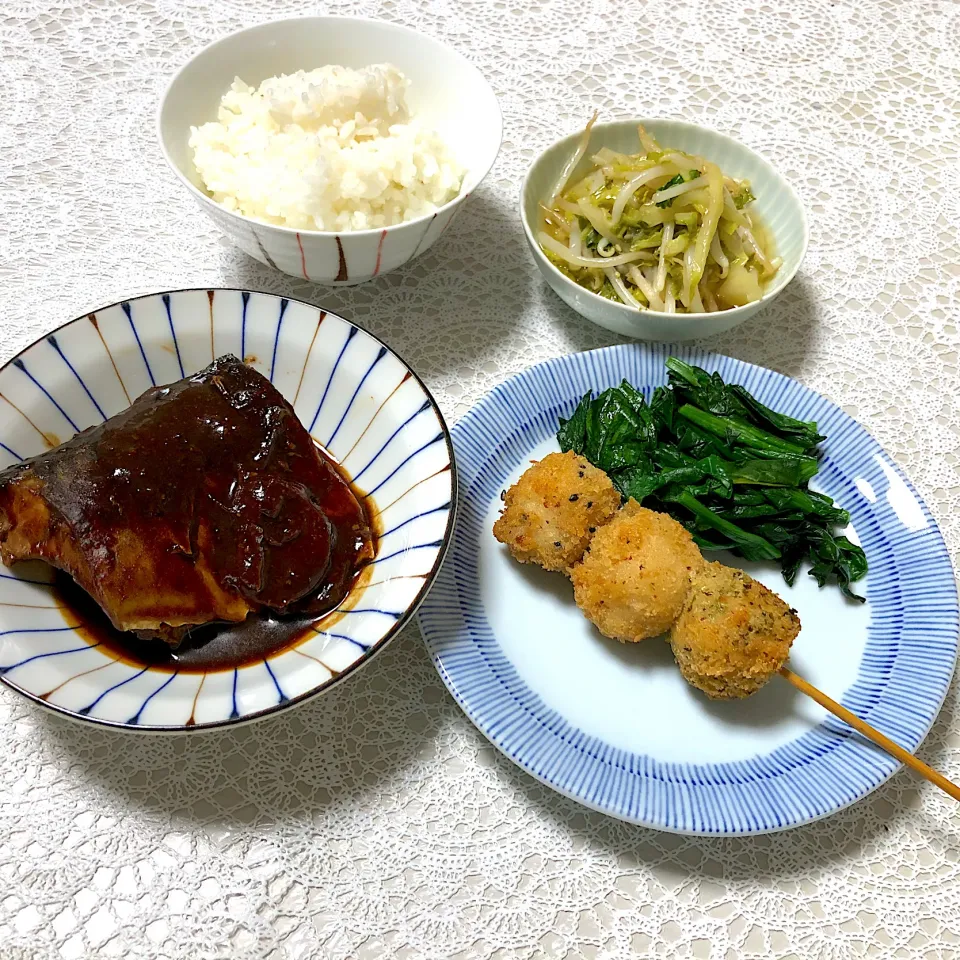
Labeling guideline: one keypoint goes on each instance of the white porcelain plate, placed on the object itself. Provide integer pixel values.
(614, 725)
(357, 399)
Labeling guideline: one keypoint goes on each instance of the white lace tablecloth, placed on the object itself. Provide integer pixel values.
(376, 822)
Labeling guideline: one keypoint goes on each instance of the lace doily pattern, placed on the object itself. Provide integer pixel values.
(376, 822)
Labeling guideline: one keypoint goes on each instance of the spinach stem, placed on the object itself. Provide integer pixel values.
(729, 428)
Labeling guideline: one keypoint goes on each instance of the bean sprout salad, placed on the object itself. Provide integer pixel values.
(657, 230)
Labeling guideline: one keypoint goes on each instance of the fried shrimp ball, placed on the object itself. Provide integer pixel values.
(634, 578)
(733, 634)
(553, 510)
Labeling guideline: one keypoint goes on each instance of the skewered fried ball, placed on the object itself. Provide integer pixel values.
(553, 510)
(634, 579)
(642, 575)
(733, 634)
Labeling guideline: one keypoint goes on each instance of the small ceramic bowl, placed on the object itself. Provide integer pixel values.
(356, 397)
(777, 204)
(446, 91)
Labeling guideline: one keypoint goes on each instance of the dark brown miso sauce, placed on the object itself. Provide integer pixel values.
(216, 646)
(209, 648)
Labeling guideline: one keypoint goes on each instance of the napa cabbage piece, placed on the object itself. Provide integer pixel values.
(657, 230)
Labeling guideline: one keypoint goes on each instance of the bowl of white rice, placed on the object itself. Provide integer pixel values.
(334, 149)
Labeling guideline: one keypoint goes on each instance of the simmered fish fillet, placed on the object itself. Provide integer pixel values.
(205, 500)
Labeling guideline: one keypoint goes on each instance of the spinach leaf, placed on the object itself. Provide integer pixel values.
(615, 432)
(710, 393)
(638, 482)
(802, 432)
(705, 390)
(663, 406)
(572, 434)
(730, 469)
(788, 472)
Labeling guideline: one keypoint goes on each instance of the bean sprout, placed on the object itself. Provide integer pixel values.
(553, 246)
(674, 222)
(571, 164)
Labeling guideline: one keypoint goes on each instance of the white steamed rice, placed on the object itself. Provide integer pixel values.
(328, 149)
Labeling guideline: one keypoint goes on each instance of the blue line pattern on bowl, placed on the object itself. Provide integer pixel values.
(906, 669)
(372, 412)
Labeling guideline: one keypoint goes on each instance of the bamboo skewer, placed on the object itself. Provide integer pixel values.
(894, 749)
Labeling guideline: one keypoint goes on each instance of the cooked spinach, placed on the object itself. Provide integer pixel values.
(731, 470)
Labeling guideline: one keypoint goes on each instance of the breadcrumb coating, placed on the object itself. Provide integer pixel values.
(733, 634)
(552, 512)
(633, 580)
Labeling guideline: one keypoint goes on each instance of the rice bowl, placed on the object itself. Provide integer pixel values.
(447, 93)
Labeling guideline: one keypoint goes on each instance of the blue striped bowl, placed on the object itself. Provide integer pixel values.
(356, 397)
(614, 726)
